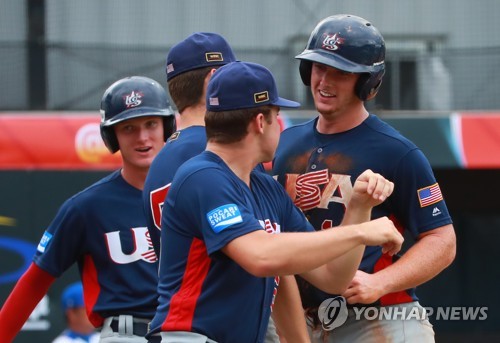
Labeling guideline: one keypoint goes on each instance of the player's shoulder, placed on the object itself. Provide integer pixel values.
(188, 136)
(387, 133)
(199, 166)
(103, 186)
(265, 179)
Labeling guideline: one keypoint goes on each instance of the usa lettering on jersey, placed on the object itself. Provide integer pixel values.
(156, 200)
(316, 189)
(143, 247)
(269, 226)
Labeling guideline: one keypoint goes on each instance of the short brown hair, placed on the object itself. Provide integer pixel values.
(186, 89)
(231, 126)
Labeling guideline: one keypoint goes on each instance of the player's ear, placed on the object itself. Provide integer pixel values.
(258, 122)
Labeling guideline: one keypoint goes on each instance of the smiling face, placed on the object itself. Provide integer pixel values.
(140, 140)
(333, 90)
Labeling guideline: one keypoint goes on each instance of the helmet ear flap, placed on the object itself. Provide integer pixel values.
(109, 137)
(305, 69)
(368, 84)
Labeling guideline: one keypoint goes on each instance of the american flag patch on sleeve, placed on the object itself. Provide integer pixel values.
(429, 195)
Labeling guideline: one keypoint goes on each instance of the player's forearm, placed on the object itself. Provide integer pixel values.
(295, 253)
(422, 262)
(288, 314)
(343, 268)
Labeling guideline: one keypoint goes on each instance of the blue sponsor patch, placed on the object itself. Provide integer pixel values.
(223, 217)
(44, 241)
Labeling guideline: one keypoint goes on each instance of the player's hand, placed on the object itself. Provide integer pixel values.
(382, 232)
(364, 289)
(370, 189)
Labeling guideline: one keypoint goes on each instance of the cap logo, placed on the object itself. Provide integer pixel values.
(214, 57)
(170, 68)
(214, 101)
(332, 42)
(261, 97)
(133, 99)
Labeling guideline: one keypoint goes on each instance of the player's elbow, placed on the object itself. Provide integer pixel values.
(258, 253)
(332, 288)
(449, 245)
(263, 265)
(338, 288)
(451, 250)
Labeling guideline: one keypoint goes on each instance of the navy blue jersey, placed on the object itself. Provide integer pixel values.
(318, 172)
(103, 229)
(180, 147)
(200, 288)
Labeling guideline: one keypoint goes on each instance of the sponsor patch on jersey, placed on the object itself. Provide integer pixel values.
(224, 216)
(429, 195)
(44, 242)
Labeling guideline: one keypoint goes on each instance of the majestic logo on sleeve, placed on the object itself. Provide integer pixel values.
(143, 247)
(224, 216)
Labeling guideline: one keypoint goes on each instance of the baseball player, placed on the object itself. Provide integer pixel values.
(190, 64)
(79, 329)
(103, 228)
(318, 161)
(221, 249)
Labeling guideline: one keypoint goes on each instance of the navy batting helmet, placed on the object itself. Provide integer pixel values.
(348, 43)
(132, 97)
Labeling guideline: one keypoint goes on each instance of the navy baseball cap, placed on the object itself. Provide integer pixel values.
(200, 49)
(241, 85)
(72, 296)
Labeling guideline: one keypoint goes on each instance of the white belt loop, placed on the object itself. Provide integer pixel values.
(125, 325)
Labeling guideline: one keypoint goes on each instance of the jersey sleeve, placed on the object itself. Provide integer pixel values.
(211, 206)
(27, 293)
(63, 241)
(417, 198)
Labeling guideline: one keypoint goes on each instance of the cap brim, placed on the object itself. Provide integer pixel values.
(136, 113)
(333, 60)
(286, 103)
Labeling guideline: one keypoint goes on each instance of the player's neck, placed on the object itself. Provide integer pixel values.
(330, 123)
(134, 176)
(192, 116)
(237, 158)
